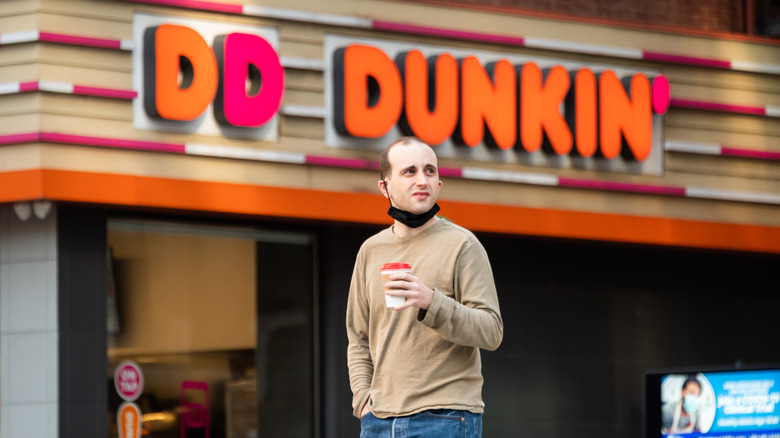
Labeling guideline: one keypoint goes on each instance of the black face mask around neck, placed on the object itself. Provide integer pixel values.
(409, 219)
(412, 220)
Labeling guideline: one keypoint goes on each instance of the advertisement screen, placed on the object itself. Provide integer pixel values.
(735, 404)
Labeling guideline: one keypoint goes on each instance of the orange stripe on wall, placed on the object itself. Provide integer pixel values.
(21, 185)
(140, 191)
(614, 228)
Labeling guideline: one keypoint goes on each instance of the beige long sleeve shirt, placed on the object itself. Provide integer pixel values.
(404, 362)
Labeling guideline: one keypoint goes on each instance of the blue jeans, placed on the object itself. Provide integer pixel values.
(436, 423)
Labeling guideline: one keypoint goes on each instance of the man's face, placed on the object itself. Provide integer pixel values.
(413, 181)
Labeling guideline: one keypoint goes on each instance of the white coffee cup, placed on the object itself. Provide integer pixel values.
(387, 270)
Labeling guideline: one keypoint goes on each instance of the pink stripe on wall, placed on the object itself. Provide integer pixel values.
(105, 92)
(234, 8)
(621, 187)
(341, 162)
(112, 142)
(20, 138)
(690, 60)
(712, 106)
(447, 33)
(450, 172)
(734, 152)
(80, 40)
(28, 86)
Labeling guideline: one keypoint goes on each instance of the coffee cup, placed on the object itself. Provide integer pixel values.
(387, 270)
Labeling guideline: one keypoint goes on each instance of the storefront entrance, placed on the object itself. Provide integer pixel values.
(218, 324)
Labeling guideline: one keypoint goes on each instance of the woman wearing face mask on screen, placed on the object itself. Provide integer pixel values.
(680, 416)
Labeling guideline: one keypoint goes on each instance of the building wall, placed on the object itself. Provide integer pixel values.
(710, 15)
(709, 109)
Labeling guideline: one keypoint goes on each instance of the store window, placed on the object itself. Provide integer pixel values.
(210, 331)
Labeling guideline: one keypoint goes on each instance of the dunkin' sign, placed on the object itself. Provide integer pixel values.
(226, 79)
(496, 107)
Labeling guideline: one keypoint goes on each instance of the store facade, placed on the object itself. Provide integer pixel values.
(185, 185)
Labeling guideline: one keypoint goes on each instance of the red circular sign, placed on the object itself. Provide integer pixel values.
(128, 380)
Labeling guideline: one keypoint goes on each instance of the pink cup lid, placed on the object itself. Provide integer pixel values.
(395, 266)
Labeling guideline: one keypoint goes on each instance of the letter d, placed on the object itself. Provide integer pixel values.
(238, 54)
(368, 94)
(168, 50)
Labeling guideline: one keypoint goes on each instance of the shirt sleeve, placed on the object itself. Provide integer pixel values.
(473, 318)
(359, 362)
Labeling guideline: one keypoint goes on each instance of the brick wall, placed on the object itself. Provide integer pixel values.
(705, 15)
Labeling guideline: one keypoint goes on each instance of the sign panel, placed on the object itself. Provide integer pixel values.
(741, 403)
(496, 107)
(128, 420)
(206, 77)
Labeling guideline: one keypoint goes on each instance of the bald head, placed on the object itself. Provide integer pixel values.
(384, 160)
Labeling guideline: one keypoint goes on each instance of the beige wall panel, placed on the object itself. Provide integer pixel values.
(737, 139)
(21, 123)
(724, 182)
(658, 42)
(304, 80)
(301, 127)
(72, 124)
(12, 7)
(731, 96)
(96, 59)
(93, 109)
(301, 32)
(716, 78)
(167, 280)
(679, 163)
(313, 146)
(356, 181)
(298, 144)
(93, 9)
(87, 76)
(20, 157)
(19, 72)
(18, 20)
(722, 122)
(19, 104)
(467, 45)
(295, 49)
(18, 54)
(347, 153)
(302, 97)
(94, 26)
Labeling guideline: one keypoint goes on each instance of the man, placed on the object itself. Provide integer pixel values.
(415, 369)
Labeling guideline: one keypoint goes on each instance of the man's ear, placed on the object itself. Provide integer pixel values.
(383, 188)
